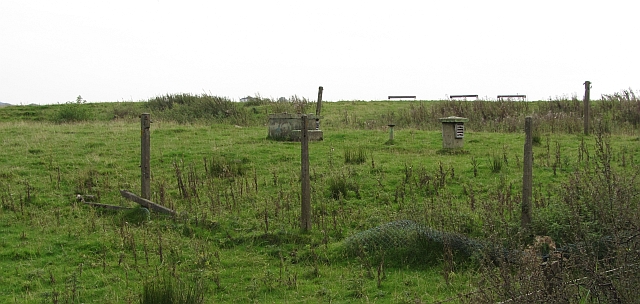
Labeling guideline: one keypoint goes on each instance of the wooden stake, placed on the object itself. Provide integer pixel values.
(587, 97)
(319, 104)
(305, 218)
(145, 156)
(527, 175)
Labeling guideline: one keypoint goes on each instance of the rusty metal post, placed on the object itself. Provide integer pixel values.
(145, 156)
(305, 217)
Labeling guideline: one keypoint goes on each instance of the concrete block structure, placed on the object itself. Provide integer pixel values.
(453, 132)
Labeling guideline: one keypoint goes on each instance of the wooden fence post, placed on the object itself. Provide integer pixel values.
(527, 176)
(587, 97)
(305, 218)
(319, 104)
(145, 156)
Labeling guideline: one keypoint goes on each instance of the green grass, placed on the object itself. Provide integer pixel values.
(237, 229)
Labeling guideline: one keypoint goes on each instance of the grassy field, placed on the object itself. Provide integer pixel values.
(236, 235)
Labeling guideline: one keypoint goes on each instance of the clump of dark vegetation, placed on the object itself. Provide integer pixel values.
(73, 111)
(340, 186)
(190, 108)
(622, 107)
(563, 114)
(358, 156)
(127, 110)
(595, 225)
(220, 166)
(293, 104)
(170, 290)
(495, 164)
(185, 108)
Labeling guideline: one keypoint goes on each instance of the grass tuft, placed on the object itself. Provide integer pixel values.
(357, 157)
(169, 290)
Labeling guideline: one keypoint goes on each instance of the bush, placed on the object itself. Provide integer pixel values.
(256, 101)
(126, 110)
(73, 112)
(561, 114)
(594, 220)
(185, 108)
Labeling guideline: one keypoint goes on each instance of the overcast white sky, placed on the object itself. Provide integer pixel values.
(121, 50)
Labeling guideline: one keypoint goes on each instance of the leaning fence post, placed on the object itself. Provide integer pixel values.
(145, 169)
(587, 96)
(527, 175)
(319, 104)
(305, 217)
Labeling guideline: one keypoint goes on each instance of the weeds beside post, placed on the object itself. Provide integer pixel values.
(587, 96)
(527, 175)
(145, 156)
(305, 217)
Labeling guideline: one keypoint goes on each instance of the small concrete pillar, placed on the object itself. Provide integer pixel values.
(391, 132)
(453, 132)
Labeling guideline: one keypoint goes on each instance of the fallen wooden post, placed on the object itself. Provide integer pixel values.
(105, 206)
(88, 200)
(146, 203)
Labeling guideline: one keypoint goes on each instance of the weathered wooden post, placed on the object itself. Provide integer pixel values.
(145, 156)
(319, 104)
(527, 176)
(587, 96)
(305, 217)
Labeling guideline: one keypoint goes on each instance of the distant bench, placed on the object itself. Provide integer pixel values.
(463, 96)
(508, 97)
(401, 96)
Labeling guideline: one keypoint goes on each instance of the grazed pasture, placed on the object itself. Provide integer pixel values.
(236, 237)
